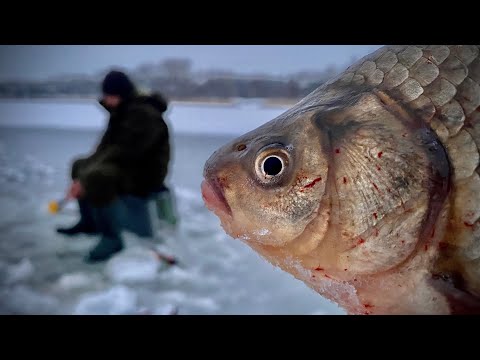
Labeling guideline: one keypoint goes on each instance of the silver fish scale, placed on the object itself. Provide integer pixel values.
(442, 83)
(447, 76)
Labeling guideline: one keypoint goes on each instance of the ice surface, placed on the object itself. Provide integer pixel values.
(229, 119)
(23, 300)
(118, 300)
(133, 265)
(168, 309)
(72, 281)
(18, 272)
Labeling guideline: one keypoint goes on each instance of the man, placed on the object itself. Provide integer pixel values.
(128, 166)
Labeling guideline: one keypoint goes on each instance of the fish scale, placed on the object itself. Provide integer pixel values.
(454, 98)
(448, 77)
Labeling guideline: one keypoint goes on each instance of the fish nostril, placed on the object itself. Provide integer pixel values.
(241, 147)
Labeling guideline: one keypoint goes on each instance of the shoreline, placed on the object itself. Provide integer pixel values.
(270, 102)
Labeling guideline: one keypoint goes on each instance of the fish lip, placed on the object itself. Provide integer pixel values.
(214, 186)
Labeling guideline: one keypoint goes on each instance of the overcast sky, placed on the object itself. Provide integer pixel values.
(41, 61)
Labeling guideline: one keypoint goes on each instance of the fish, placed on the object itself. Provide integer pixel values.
(368, 189)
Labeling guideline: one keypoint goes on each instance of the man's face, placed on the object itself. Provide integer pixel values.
(111, 101)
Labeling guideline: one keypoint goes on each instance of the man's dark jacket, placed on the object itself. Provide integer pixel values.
(133, 154)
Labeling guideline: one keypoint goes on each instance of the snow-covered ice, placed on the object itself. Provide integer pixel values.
(73, 281)
(20, 271)
(133, 265)
(118, 300)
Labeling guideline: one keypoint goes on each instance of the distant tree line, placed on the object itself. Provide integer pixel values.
(175, 78)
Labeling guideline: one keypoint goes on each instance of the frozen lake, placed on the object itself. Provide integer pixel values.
(43, 273)
(185, 118)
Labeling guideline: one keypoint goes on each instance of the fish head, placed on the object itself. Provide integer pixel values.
(266, 185)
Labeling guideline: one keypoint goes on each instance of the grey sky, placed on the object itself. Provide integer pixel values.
(40, 61)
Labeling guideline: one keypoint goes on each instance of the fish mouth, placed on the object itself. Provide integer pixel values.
(214, 198)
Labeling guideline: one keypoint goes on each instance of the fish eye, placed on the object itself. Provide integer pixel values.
(272, 165)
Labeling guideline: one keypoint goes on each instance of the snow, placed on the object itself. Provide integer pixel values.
(23, 300)
(20, 271)
(118, 300)
(42, 272)
(133, 265)
(184, 118)
(73, 281)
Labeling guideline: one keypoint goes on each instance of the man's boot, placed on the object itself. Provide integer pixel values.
(108, 220)
(86, 224)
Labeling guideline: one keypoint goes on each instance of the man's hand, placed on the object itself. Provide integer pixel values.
(75, 191)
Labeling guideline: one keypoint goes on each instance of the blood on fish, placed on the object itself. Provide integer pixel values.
(425, 247)
(368, 306)
(442, 245)
(344, 180)
(375, 186)
(312, 183)
(319, 269)
(360, 241)
(375, 215)
(379, 168)
(380, 154)
(337, 151)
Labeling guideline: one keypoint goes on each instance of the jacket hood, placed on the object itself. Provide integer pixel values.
(156, 100)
